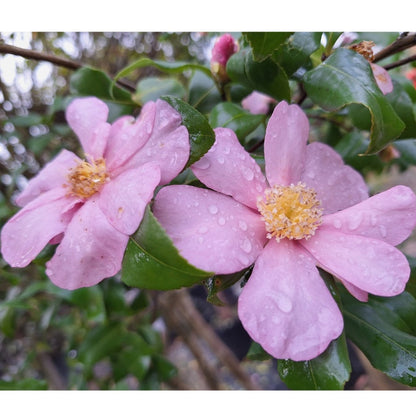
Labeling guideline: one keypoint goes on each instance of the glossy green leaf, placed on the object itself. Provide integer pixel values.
(346, 78)
(93, 82)
(152, 88)
(403, 100)
(151, 260)
(90, 81)
(168, 67)
(352, 146)
(296, 52)
(266, 76)
(264, 44)
(257, 353)
(201, 135)
(203, 92)
(218, 283)
(407, 149)
(384, 330)
(329, 371)
(236, 118)
(411, 284)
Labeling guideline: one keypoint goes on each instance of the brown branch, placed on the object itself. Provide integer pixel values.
(400, 62)
(403, 42)
(56, 60)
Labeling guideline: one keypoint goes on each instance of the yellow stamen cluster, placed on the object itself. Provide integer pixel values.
(87, 178)
(364, 48)
(291, 212)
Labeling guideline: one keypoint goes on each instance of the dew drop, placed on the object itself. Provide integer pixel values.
(221, 160)
(283, 303)
(203, 164)
(213, 209)
(200, 240)
(227, 150)
(243, 225)
(246, 246)
(354, 221)
(383, 231)
(202, 230)
(248, 174)
(311, 175)
(337, 223)
(221, 220)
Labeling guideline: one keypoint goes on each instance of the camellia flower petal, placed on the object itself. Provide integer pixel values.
(257, 103)
(90, 207)
(314, 211)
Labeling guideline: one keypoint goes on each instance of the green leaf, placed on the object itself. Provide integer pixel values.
(346, 78)
(384, 330)
(296, 52)
(152, 88)
(403, 100)
(257, 353)
(168, 67)
(221, 282)
(203, 92)
(201, 135)
(352, 146)
(28, 384)
(151, 260)
(265, 43)
(93, 82)
(236, 118)
(329, 371)
(90, 81)
(266, 76)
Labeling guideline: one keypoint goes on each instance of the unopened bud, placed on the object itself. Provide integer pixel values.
(224, 47)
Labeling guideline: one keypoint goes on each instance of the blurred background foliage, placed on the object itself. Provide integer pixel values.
(111, 336)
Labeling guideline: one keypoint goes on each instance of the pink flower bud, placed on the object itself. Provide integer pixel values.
(224, 47)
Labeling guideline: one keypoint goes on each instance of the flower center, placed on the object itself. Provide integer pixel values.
(291, 212)
(87, 178)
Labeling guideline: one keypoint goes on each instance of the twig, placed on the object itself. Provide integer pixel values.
(400, 62)
(400, 44)
(56, 60)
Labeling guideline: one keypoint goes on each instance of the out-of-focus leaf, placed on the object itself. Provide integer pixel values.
(150, 89)
(257, 353)
(165, 369)
(296, 52)
(403, 100)
(201, 135)
(352, 146)
(28, 384)
(384, 330)
(27, 121)
(346, 78)
(266, 76)
(236, 118)
(93, 82)
(219, 282)
(411, 284)
(329, 371)
(203, 92)
(38, 143)
(168, 67)
(264, 44)
(151, 260)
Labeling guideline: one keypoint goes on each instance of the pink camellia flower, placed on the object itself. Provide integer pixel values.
(311, 211)
(257, 103)
(90, 207)
(224, 47)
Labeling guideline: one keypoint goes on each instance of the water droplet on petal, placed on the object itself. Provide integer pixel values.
(283, 302)
(221, 160)
(383, 231)
(354, 221)
(202, 230)
(337, 223)
(203, 164)
(221, 220)
(213, 209)
(246, 246)
(310, 174)
(248, 174)
(227, 150)
(243, 225)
